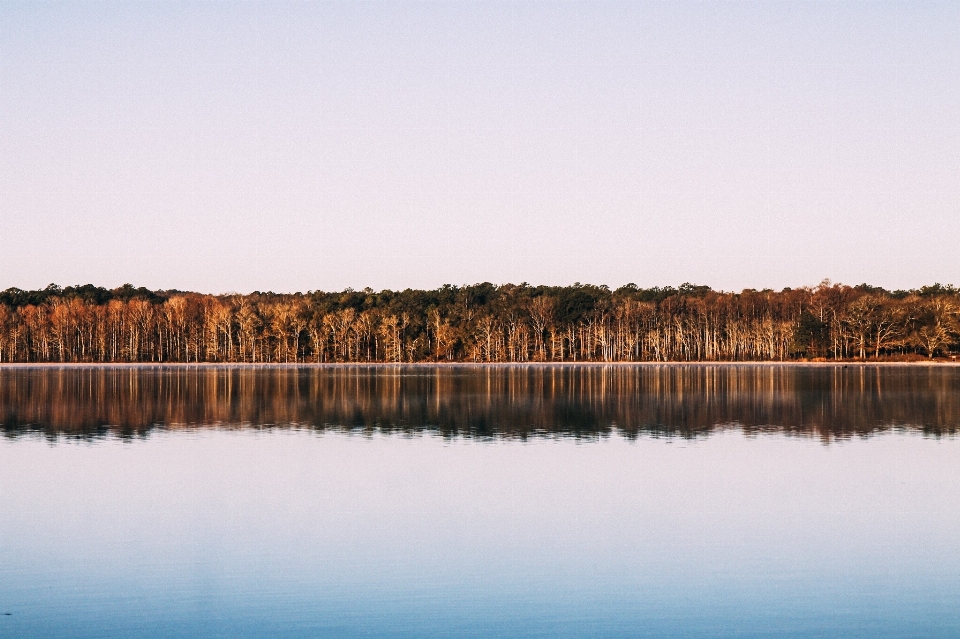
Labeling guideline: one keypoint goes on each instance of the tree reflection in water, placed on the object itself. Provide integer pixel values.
(495, 401)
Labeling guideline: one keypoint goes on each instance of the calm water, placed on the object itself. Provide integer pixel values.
(681, 501)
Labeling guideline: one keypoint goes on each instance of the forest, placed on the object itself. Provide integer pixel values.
(480, 323)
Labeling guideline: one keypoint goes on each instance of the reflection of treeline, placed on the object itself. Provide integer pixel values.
(513, 401)
(479, 323)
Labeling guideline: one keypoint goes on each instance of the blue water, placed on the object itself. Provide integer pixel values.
(228, 531)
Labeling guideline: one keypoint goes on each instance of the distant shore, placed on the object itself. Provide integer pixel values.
(483, 323)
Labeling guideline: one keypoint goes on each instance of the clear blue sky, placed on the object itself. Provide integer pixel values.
(232, 147)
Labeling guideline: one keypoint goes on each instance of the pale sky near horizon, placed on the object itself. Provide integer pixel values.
(271, 146)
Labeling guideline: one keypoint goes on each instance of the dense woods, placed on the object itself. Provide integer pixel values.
(479, 323)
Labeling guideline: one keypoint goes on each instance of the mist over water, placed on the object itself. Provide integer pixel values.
(537, 501)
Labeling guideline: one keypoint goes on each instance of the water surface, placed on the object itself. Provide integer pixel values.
(620, 501)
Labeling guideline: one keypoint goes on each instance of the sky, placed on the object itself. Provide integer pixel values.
(225, 147)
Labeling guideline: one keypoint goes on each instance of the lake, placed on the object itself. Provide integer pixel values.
(480, 501)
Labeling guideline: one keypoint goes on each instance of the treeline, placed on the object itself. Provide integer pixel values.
(478, 323)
